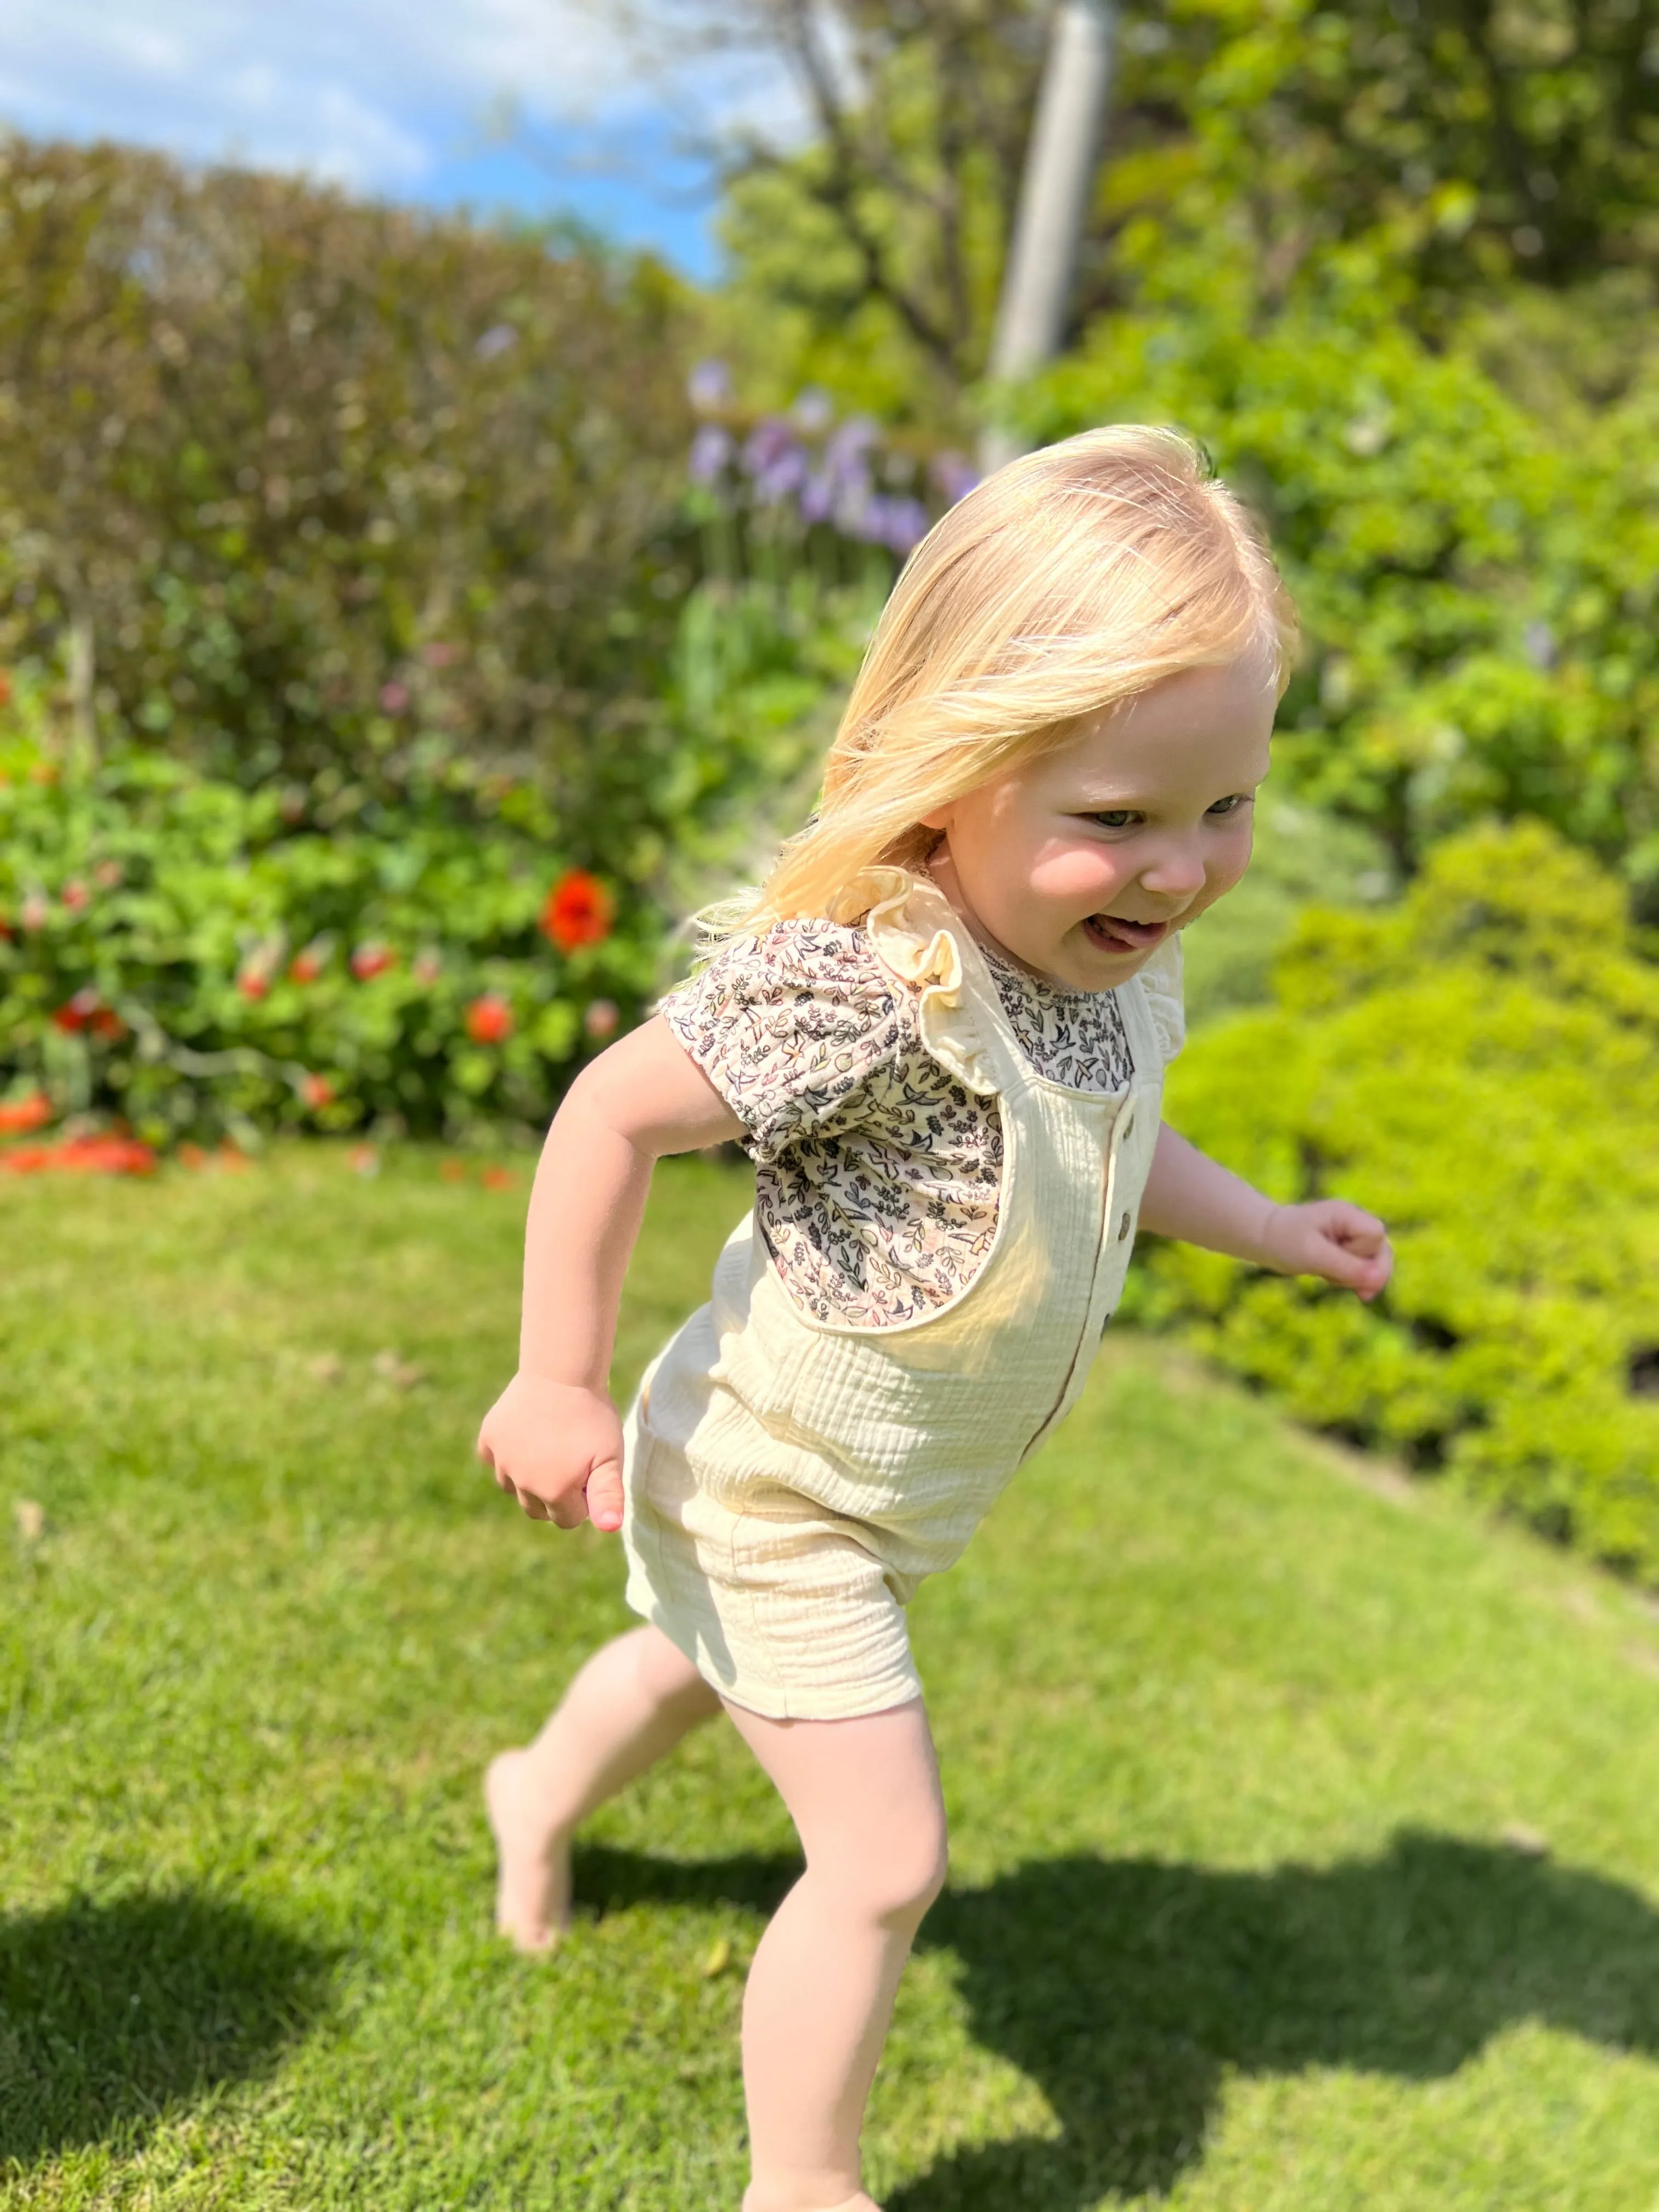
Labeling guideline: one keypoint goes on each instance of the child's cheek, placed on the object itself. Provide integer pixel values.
(1083, 876)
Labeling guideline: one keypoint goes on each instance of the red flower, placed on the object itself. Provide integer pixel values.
(76, 896)
(254, 982)
(578, 911)
(105, 1023)
(308, 963)
(17, 1115)
(5, 689)
(81, 1156)
(77, 1011)
(316, 1091)
(498, 1178)
(372, 959)
(490, 1019)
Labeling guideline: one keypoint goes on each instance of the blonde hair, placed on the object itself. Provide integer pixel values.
(1070, 580)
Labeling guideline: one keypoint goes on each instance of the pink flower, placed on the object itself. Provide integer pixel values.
(316, 1091)
(601, 1018)
(394, 697)
(76, 896)
(34, 912)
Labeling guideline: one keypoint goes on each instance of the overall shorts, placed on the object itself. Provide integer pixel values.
(790, 1480)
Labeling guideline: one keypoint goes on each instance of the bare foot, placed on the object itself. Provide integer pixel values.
(533, 1887)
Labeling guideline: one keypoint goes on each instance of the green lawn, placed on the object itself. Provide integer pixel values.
(1243, 1747)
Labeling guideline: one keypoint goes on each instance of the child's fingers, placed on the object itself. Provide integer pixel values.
(605, 1495)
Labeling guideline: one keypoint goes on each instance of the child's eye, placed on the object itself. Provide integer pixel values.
(1225, 806)
(1116, 817)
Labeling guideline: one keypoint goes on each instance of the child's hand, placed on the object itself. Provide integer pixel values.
(557, 1447)
(1329, 1238)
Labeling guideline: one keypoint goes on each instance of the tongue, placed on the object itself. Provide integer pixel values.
(1132, 933)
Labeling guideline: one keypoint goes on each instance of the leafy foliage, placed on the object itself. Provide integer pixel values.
(174, 953)
(1450, 152)
(1478, 592)
(1480, 1065)
(286, 479)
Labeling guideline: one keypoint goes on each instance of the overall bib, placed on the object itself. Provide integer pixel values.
(790, 1480)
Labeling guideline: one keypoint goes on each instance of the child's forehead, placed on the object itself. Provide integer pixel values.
(1193, 724)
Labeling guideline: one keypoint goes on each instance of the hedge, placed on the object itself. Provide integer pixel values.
(1480, 1065)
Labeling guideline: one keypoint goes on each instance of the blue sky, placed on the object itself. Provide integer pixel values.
(393, 97)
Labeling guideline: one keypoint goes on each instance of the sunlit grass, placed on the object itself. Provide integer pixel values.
(1248, 1763)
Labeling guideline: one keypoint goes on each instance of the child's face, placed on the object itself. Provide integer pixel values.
(1082, 861)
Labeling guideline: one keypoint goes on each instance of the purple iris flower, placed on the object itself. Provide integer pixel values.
(711, 449)
(954, 475)
(499, 338)
(708, 386)
(781, 478)
(813, 409)
(906, 524)
(772, 437)
(818, 498)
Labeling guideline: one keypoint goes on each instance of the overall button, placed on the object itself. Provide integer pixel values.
(1123, 1228)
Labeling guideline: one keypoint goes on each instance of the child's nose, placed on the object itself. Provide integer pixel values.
(1176, 871)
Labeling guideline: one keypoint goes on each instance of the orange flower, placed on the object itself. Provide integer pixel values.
(81, 1156)
(316, 1091)
(578, 911)
(17, 1115)
(490, 1019)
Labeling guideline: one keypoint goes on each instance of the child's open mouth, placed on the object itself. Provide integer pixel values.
(1116, 933)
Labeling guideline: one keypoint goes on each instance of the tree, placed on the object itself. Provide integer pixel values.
(1459, 148)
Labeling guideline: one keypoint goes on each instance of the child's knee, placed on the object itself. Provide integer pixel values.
(901, 1875)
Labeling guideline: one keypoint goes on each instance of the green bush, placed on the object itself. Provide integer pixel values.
(1477, 584)
(173, 954)
(285, 476)
(1480, 1065)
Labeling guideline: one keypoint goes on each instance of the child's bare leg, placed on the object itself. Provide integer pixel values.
(865, 1797)
(631, 1702)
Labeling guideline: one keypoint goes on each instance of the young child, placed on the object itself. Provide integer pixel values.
(940, 1032)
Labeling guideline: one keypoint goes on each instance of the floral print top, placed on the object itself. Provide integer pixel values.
(877, 1172)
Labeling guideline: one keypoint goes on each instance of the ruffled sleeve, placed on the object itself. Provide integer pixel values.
(1160, 979)
(789, 1027)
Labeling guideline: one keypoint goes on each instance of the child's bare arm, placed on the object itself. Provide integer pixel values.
(553, 1438)
(1193, 1197)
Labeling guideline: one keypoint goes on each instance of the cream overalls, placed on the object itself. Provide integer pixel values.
(789, 1480)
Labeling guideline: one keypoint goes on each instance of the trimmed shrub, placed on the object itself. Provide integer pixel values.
(1480, 1065)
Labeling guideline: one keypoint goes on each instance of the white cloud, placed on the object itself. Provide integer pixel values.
(372, 93)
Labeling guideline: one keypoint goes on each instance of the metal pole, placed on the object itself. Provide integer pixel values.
(1053, 202)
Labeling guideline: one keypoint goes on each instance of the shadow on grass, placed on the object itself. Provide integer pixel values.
(1127, 1989)
(110, 2013)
